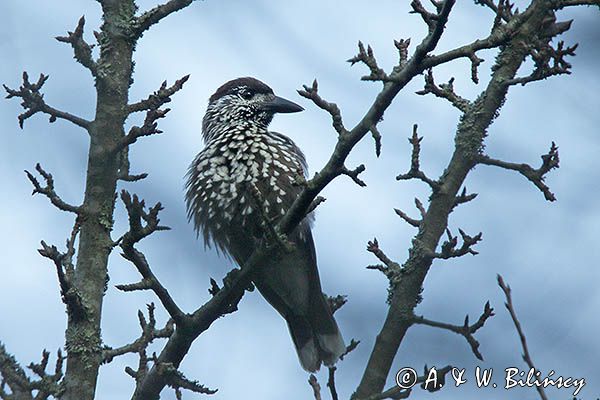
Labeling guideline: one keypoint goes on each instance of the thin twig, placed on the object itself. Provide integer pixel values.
(411, 221)
(526, 357)
(48, 190)
(312, 93)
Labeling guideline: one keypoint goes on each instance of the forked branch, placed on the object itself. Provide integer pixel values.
(536, 176)
(65, 271)
(82, 50)
(159, 97)
(368, 58)
(444, 91)
(33, 102)
(49, 191)
(312, 93)
(21, 387)
(148, 335)
(143, 223)
(465, 330)
(449, 249)
(391, 269)
(415, 170)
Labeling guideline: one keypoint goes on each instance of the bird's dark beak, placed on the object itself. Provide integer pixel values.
(281, 105)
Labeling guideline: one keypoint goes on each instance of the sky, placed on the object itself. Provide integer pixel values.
(547, 252)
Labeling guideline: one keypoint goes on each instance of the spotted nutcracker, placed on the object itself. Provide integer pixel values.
(246, 177)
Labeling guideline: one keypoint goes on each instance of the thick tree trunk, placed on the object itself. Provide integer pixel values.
(83, 339)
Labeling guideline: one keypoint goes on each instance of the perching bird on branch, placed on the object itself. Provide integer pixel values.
(244, 180)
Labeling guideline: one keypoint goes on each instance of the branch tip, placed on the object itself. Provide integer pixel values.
(312, 93)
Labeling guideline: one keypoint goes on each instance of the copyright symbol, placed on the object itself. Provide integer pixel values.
(406, 378)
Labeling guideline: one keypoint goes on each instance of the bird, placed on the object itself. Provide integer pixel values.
(245, 179)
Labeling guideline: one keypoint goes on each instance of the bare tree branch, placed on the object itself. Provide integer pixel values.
(312, 93)
(449, 249)
(428, 17)
(402, 46)
(526, 357)
(368, 58)
(331, 380)
(465, 330)
(504, 9)
(373, 247)
(65, 270)
(150, 383)
(178, 381)
(153, 16)
(470, 135)
(415, 171)
(346, 142)
(336, 302)
(82, 50)
(48, 384)
(445, 91)
(14, 377)
(548, 62)
(126, 177)
(377, 139)
(49, 191)
(500, 35)
(138, 231)
(409, 220)
(149, 334)
(331, 383)
(159, 97)
(464, 197)
(316, 202)
(353, 174)
(550, 161)
(33, 102)
(21, 387)
(391, 269)
(353, 345)
(148, 128)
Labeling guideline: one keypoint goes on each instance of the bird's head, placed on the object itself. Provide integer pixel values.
(243, 102)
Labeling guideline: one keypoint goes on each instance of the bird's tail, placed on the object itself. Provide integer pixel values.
(316, 337)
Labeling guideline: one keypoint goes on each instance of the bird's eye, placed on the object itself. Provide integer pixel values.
(246, 94)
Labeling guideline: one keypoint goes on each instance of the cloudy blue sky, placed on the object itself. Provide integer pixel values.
(548, 252)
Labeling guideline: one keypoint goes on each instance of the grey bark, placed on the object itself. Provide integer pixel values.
(83, 335)
(469, 140)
